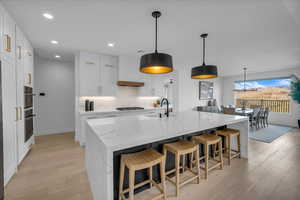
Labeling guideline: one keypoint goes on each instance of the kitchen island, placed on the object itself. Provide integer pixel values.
(107, 139)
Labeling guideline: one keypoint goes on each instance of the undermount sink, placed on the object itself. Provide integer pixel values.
(157, 115)
(152, 115)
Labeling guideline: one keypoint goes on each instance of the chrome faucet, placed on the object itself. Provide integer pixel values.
(161, 104)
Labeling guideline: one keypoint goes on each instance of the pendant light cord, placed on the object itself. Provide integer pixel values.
(203, 58)
(155, 34)
(245, 79)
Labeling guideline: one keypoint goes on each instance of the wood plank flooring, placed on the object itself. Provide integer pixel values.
(54, 170)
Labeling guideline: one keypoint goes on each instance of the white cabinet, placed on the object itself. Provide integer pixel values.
(98, 74)
(28, 63)
(129, 69)
(8, 37)
(10, 115)
(24, 67)
(14, 66)
(108, 75)
(89, 70)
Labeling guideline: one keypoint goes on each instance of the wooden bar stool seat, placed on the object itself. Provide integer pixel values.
(182, 148)
(209, 140)
(138, 161)
(228, 133)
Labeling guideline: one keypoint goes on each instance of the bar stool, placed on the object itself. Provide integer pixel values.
(207, 140)
(138, 161)
(182, 148)
(228, 134)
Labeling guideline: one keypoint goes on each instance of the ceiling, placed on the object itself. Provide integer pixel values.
(261, 34)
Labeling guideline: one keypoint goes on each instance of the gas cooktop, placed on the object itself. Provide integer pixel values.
(130, 108)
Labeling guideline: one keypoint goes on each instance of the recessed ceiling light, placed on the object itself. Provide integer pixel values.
(54, 42)
(110, 44)
(48, 16)
(57, 56)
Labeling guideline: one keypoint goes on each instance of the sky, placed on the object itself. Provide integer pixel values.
(284, 82)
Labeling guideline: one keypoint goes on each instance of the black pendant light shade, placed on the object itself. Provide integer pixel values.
(204, 71)
(156, 63)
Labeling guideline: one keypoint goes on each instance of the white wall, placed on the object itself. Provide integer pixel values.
(54, 111)
(276, 118)
(189, 89)
(125, 97)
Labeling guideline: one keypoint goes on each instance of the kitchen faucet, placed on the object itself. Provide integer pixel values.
(161, 104)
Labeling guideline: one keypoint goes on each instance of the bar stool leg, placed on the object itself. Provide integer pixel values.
(150, 176)
(177, 164)
(221, 155)
(239, 145)
(191, 160)
(229, 150)
(183, 163)
(163, 177)
(214, 150)
(206, 160)
(122, 171)
(225, 144)
(198, 165)
(131, 184)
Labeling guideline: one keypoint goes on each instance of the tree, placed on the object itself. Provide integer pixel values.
(296, 91)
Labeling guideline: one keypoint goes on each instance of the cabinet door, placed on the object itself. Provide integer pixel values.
(108, 75)
(20, 72)
(8, 45)
(89, 71)
(28, 63)
(10, 117)
(129, 69)
(1, 30)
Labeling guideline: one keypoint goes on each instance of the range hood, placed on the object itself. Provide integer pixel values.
(130, 83)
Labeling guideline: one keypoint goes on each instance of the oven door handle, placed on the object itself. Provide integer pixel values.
(30, 116)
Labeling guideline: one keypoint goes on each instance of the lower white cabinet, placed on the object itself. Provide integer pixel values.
(10, 117)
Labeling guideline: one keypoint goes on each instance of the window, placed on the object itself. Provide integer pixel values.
(272, 93)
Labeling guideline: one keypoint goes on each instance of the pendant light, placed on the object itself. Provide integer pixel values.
(204, 71)
(156, 63)
(244, 83)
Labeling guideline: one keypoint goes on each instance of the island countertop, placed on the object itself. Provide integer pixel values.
(108, 138)
(118, 133)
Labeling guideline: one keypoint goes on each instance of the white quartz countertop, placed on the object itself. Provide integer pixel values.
(115, 111)
(123, 132)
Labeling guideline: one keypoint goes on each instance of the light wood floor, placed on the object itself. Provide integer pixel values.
(54, 170)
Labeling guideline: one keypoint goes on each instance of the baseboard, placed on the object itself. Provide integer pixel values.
(9, 174)
(287, 125)
(54, 132)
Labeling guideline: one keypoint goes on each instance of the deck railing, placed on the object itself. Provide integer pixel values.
(280, 106)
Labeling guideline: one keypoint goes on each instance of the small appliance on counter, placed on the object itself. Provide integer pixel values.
(89, 105)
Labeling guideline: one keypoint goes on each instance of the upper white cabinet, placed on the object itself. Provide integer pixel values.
(8, 36)
(98, 74)
(129, 69)
(28, 63)
(89, 70)
(108, 75)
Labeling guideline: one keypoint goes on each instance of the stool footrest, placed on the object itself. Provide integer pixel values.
(142, 184)
(184, 182)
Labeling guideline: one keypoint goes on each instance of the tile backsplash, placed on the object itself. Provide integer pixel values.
(126, 96)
